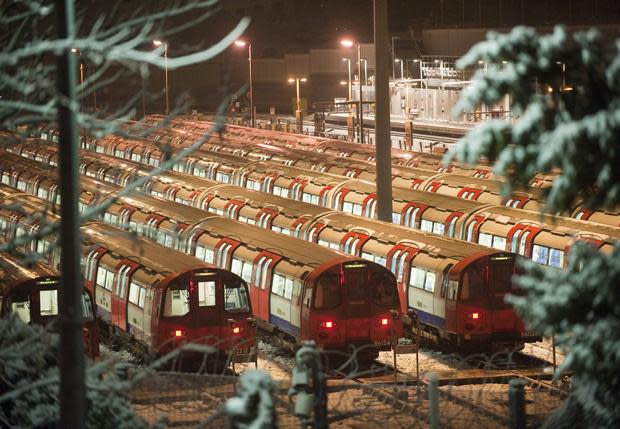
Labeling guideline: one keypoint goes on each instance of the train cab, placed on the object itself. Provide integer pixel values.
(354, 302)
(31, 292)
(476, 312)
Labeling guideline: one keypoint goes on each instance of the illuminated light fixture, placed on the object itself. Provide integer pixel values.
(384, 322)
(236, 330)
(291, 80)
(347, 43)
(240, 43)
(344, 82)
(473, 316)
(157, 42)
(74, 50)
(178, 333)
(329, 324)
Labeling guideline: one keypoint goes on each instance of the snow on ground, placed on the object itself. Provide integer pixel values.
(117, 355)
(544, 350)
(428, 360)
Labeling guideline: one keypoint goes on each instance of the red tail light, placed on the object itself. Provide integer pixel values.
(328, 324)
(473, 316)
(178, 333)
(236, 330)
(384, 321)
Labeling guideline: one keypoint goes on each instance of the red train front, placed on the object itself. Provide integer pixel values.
(209, 306)
(352, 303)
(476, 311)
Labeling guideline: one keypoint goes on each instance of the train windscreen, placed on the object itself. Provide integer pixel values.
(328, 290)
(502, 270)
(235, 296)
(384, 291)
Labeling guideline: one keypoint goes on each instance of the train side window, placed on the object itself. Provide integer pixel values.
(48, 302)
(205, 254)
(176, 302)
(499, 242)
(485, 239)
(278, 284)
(105, 278)
(396, 218)
(206, 294)
(429, 283)
(417, 277)
(426, 225)
(540, 254)
(556, 258)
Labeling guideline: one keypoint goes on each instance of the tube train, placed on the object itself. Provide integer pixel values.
(31, 292)
(298, 162)
(546, 240)
(260, 142)
(156, 297)
(299, 290)
(235, 169)
(434, 274)
(220, 167)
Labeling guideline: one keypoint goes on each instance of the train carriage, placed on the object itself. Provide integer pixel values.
(154, 295)
(277, 266)
(463, 219)
(419, 261)
(31, 292)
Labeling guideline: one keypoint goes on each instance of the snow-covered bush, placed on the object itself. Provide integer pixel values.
(565, 93)
(29, 383)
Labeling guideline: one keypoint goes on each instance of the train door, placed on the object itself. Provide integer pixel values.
(439, 305)
(399, 261)
(123, 272)
(263, 272)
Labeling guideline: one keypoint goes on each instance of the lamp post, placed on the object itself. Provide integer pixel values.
(159, 43)
(402, 68)
(296, 81)
(365, 71)
(77, 51)
(348, 60)
(242, 43)
(348, 43)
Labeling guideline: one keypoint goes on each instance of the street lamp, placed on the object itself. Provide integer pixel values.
(348, 60)
(402, 68)
(159, 43)
(241, 44)
(348, 43)
(365, 71)
(296, 81)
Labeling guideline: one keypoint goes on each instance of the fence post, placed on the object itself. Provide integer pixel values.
(253, 406)
(433, 397)
(308, 368)
(516, 402)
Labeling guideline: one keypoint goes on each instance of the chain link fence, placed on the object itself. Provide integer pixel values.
(461, 392)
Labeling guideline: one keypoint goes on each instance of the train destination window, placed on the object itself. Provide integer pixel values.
(206, 293)
(48, 302)
(176, 302)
